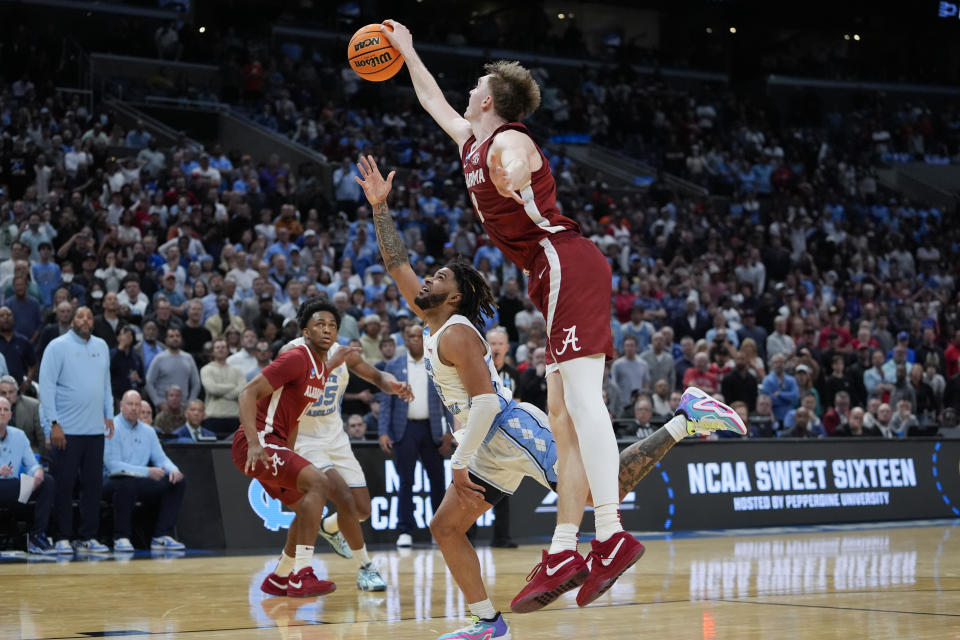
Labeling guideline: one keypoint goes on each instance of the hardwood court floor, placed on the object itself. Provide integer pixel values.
(843, 584)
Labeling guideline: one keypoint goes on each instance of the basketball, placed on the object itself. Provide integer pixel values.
(372, 56)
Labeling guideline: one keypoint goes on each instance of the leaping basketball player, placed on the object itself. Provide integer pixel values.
(503, 441)
(270, 407)
(514, 196)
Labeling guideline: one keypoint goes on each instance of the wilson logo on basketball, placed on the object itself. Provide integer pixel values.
(374, 61)
(363, 44)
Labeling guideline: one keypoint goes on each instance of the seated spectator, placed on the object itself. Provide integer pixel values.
(700, 374)
(371, 328)
(136, 468)
(661, 399)
(801, 427)
(763, 423)
(26, 310)
(814, 425)
(171, 415)
(356, 428)
(193, 429)
(150, 346)
(16, 349)
(222, 384)
(838, 415)
(855, 426)
(17, 457)
(903, 419)
(146, 413)
(26, 414)
(781, 387)
(882, 422)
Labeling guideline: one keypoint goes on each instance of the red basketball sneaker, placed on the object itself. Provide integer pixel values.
(608, 560)
(553, 576)
(305, 583)
(274, 585)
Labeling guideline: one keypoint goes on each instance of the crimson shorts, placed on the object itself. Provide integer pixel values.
(279, 478)
(571, 285)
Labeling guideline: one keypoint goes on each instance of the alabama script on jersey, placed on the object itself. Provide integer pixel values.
(514, 228)
(298, 380)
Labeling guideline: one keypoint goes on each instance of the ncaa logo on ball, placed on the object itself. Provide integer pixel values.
(366, 43)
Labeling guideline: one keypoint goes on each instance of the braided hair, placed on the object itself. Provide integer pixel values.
(477, 302)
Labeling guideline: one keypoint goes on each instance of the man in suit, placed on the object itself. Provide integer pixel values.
(415, 430)
(192, 430)
(26, 414)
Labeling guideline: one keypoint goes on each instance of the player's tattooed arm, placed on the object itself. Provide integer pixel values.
(637, 460)
(392, 248)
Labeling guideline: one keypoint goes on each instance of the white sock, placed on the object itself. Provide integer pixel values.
(304, 557)
(284, 565)
(360, 555)
(330, 523)
(483, 610)
(583, 396)
(677, 426)
(564, 538)
(607, 518)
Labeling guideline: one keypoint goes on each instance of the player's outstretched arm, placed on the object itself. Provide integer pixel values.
(384, 381)
(394, 252)
(427, 89)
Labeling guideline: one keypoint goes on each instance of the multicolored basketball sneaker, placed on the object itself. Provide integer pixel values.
(706, 414)
(481, 630)
(369, 578)
(337, 541)
(553, 576)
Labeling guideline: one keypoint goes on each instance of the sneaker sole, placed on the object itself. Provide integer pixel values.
(536, 601)
(297, 594)
(371, 589)
(606, 584)
(336, 548)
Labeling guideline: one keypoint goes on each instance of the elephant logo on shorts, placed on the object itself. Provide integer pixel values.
(570, 341)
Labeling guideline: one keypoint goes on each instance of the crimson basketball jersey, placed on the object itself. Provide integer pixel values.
(515, 229)
(298, 380)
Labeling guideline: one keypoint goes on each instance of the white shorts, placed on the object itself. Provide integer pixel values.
(522, 446)
(333, 453)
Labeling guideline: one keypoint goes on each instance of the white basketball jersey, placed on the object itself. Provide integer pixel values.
(322, 419)
(447, 380)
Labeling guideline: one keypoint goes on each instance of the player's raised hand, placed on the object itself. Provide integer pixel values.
(398, 35)
(501, 180)
(341, 355)
(374, 186)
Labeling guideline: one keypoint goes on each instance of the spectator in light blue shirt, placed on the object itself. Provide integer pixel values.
(76, 406)
(17, 457)
(138, 469)
(781, 387)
